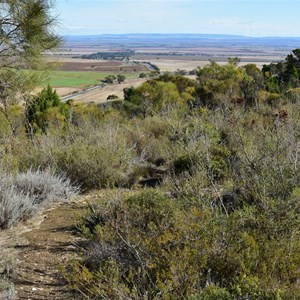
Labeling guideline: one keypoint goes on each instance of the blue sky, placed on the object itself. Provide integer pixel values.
(242, 17)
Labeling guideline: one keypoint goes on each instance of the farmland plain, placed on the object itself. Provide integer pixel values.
(167, 52)
(75, 74)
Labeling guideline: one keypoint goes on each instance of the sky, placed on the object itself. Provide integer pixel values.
(238, 17)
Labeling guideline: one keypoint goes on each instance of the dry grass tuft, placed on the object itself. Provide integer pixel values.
(21, 196)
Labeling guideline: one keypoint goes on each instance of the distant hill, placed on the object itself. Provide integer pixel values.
(182, 39)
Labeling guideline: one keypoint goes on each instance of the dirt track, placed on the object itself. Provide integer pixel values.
(41, 253)
(42, 246)
(39, 249)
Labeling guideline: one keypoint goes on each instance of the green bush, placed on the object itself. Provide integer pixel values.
(213, 293)
(150, 245)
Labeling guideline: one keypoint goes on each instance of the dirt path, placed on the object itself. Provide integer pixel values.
(39, 250)
(32, 254)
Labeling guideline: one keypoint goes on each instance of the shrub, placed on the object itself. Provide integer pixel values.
(7, 291)
(21, 196)
(112, 97)
(213, 293)
(135, 245)
(293, 95)
(274, 99)
(143, 75)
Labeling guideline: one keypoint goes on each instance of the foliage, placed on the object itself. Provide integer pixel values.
(284, 74)
(161, 94)
(150, 246)
(109, 79)
(121, 78)
(112, 97)
(143, 75)
(121, 55)
(46, 107)
(26, 32)
(25, 193)
(222, 222)
(219, 86)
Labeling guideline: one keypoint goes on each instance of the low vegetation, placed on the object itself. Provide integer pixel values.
(23, 194)
(213, 165)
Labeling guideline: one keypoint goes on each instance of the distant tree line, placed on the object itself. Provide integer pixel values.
(285, 74)
(120, 55)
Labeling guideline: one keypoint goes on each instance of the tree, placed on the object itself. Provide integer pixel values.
(218, 85)
(25, 34)
(112, 97)
(234, 61)
(285, 74)
(180, 72)
(252, 82)
(151, 97)
(121, 78)
(109, 79)
(292, 69)
(46, 108)
(143, 75)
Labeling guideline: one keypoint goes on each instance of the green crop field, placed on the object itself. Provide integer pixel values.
(78, 79)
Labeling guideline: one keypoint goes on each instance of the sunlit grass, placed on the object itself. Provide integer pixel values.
(78, 79)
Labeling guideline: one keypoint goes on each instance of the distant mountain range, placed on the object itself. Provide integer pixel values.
(182, 40)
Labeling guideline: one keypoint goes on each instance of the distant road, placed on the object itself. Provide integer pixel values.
(83, 92)
(99, 94)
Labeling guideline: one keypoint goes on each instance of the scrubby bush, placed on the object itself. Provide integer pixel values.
(112, 97)
(213, 293)
(152, 246)
(293, 95)
(222, 219)
(22, 195)
(7, 291)
(138, 254)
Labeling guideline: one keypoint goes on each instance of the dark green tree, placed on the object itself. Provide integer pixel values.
(110, 79)
(285, 74)
(143, 75)
(45, 107)
(26, 32)
(121, 78)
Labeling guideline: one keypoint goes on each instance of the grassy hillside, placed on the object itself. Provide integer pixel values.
(213, 172)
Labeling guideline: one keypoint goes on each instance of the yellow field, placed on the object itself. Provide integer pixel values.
(100, 95)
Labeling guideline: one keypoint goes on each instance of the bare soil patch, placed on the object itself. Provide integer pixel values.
(37, 250)
(42, 251)
(100, 95)
(61, 91)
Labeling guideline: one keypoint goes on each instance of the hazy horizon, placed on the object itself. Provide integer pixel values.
(183, 34)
